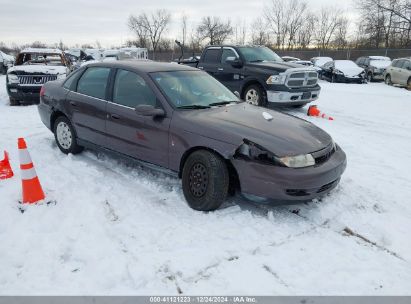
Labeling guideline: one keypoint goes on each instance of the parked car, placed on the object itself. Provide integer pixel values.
(183, 121)
(303, 62)
(343, 71)
(399, 72)
(6, 62)
(33, 68)
(259, 75)
(374, 66)
(318, 62)
(289, 58)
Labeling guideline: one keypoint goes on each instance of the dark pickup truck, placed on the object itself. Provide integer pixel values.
(259, 75)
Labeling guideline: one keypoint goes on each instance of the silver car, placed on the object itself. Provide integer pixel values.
(399, 72)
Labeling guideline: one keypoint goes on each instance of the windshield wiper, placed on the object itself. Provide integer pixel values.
(221, 103)
(194, 106)
(257, 60)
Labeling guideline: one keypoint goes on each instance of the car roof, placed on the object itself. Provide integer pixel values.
(145, 66)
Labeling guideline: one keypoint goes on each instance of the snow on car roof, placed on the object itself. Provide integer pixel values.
(42, 51)
(380, 58)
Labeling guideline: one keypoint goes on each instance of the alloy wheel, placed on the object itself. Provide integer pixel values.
(64, 135)
(252, 97)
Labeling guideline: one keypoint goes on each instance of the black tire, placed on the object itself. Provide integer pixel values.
(13, 102)
(388, 79)
(205, 181)
(333, 79)
(369, 77)
(64, 147)
(3, 69)
(250, 91)
(409, 84)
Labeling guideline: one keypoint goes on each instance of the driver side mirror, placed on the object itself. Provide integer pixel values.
(148, 110)
(234, 61)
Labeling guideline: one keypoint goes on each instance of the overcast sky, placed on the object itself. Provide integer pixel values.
(82, 21)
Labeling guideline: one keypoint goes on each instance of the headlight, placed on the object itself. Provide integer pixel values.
(299, 161)
(276, 79)
(61, 76)
(252, 151)
(13, 78)
(338, 72)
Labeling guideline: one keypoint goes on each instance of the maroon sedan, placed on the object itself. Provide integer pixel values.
(180, 119)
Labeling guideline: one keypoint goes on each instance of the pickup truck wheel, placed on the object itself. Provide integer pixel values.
(14, 102)
(254, 95)
(388, 80)
(205, 181)
(66, 136)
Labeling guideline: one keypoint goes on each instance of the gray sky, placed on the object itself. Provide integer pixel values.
(80, 21)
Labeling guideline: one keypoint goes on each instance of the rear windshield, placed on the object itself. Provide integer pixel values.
(187, 88)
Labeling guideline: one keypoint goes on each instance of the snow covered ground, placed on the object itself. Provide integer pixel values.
(116, 228)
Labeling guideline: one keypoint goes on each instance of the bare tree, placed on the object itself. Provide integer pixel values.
(341, 33)
(240, 32)
(184, 19)
(327, 24)
(277, 21)
(306, 32)
(214, 29)
(150, 26)
(259, 34)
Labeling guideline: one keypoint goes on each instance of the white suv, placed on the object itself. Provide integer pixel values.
(399, 72)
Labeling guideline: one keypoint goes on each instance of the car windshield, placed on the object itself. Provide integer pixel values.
(259, 54)
(193, 89)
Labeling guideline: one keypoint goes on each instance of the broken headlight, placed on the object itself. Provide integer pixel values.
(255, 152)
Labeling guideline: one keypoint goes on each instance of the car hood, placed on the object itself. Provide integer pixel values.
(350, 71)
(274, 66)
(283, 135)
(37, 69)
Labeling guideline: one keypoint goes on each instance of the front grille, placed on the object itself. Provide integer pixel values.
(302, 79)
(323, 155)
(35, 79)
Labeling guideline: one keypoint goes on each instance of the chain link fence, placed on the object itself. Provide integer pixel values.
(351, 54)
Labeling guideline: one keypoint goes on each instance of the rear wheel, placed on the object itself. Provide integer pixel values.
(388, 80)
(409, 84)
(369, 77)
(254, 95)
(65, 136)
(333, 78)
(205, 181)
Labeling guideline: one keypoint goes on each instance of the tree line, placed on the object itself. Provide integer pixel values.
(282, 25)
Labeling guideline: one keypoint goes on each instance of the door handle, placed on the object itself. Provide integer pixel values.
(220, 69)
(73, 103)
(115, 116)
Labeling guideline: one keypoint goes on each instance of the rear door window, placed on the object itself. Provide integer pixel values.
(406, 65)
(399, 63)
(94, 82)
(212, 55)
(131, 90)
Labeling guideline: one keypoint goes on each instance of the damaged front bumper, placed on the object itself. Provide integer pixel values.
(267, 183)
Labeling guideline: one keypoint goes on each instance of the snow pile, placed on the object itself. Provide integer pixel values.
(115, 228)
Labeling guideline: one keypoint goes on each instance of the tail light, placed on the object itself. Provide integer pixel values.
(42, 91)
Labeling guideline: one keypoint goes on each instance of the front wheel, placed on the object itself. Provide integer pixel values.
(254, 95)
(13, 101)
(65, 136)
(388, 80)
(205, 181)
(333, 78)
(409, 84)
(369, 77)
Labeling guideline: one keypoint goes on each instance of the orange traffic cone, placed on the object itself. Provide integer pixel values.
(32, 191)
(5, 168)
(313, 111)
